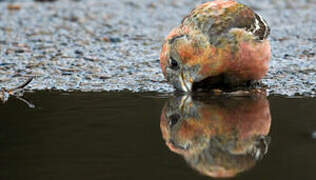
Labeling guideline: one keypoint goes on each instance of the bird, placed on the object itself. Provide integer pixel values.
(221, 42)
(218, 137)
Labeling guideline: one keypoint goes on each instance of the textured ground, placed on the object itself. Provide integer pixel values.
(109, 45)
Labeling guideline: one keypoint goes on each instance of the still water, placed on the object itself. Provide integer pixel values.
(149, 136)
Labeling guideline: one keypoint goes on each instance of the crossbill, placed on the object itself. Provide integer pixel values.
(219, 42)
(219, 137)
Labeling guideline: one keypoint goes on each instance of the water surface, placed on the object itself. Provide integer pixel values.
(119, 136)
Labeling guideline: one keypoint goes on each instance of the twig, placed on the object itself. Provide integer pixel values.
(21, 86)
(6, 93)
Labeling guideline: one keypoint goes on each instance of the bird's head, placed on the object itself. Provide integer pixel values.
(188, 58)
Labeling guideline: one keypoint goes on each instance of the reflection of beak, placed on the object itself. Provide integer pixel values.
(185, 100)
(186, 84)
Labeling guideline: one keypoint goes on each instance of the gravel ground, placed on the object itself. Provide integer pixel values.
(110, 45)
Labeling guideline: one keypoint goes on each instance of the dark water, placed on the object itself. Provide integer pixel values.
(119, 136)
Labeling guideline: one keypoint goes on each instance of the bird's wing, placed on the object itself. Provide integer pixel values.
(214, 20)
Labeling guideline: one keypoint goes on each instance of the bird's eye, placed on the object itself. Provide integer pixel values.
(173, 64)
(173, 119)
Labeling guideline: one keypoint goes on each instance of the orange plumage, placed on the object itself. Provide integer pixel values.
(218, 42)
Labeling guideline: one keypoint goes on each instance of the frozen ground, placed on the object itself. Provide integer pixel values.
(111, 45)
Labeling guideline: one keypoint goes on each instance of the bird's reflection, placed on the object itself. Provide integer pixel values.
(219, 137)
